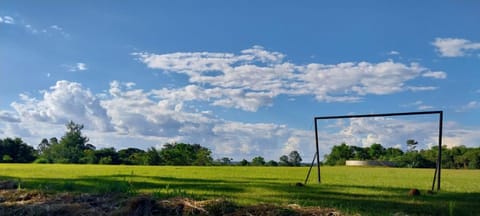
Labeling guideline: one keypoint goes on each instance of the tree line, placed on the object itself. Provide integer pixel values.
(455, 157)
(73, 147)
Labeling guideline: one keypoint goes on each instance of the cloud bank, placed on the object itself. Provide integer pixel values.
(125, 115)
(254, 77)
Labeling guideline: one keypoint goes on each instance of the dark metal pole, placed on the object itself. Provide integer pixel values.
(435, 175)
(310, 169)
(318, 156)
(439, 164)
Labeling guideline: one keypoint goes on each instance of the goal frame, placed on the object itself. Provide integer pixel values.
(438, 167)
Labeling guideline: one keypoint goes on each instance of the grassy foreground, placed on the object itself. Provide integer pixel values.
(368, 191)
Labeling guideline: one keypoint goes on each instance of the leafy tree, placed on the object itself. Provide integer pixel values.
(110, 155)
(16, 151)
(202, 157)
(71, 147)
(225, 160)
(131, 156)
(185, 154)
(258, 161)
(53, 141)
(411, 144)
(360, 153)
(473, 158)
(376, 151)
(284, 161)
(244, 162)
(43, 145)
(272, 163)
(339, 155)
(294, 158)
(393, 152)
(153, 157)
(105, 160)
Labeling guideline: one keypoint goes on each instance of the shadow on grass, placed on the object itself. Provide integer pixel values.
(366, 200)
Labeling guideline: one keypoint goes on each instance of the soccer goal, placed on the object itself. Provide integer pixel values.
(438, 166)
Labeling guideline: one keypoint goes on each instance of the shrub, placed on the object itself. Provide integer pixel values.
(41, 161)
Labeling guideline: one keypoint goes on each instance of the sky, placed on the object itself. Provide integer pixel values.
(243, 78)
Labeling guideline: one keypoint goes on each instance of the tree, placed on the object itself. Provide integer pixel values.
(107, 156)
(202, 157)
(43, 145)
(376, 151)
(294, 158)
(225, 160)
(339, 155)
(185, 154)
(411, 145)
(360, 153)
(71, 147)
(244, 162)
(272, 163)
(16, 151)
(284, 161)
(258, 161)
(153, 157)
(131, 156)
(53, 141)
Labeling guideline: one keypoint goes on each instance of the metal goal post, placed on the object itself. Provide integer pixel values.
(438, 167)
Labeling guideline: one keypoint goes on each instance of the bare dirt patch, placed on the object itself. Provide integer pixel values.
(25, 202)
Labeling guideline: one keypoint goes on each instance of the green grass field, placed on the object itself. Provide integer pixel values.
(368, 191)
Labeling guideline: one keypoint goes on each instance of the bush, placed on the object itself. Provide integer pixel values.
(41, 161)
(105, 160)
(7, 159)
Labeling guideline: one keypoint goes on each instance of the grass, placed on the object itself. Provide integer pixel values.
(368, 191)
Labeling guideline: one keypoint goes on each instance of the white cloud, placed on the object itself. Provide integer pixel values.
(8, 116)
(393, 52)
(425, 107)
(420, 105)
(79, 66)
(455, 47)
(421, 88)
(435, 74)
(132, 117)
(31, 29)
(388, 131)
(7, 20)
(56, 29)
(256, 76)
(469, 106)
(64, 102)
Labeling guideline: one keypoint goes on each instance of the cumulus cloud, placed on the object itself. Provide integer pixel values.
(127, 116)
(386, 131)
(7, 20)
(8, 116)
(131, 117)
(256, 76)
(455, 47)
(61, 103)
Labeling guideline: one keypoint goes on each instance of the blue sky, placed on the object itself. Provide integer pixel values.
(244, 78)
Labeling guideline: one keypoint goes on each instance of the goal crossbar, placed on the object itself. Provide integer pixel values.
(438, 167)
